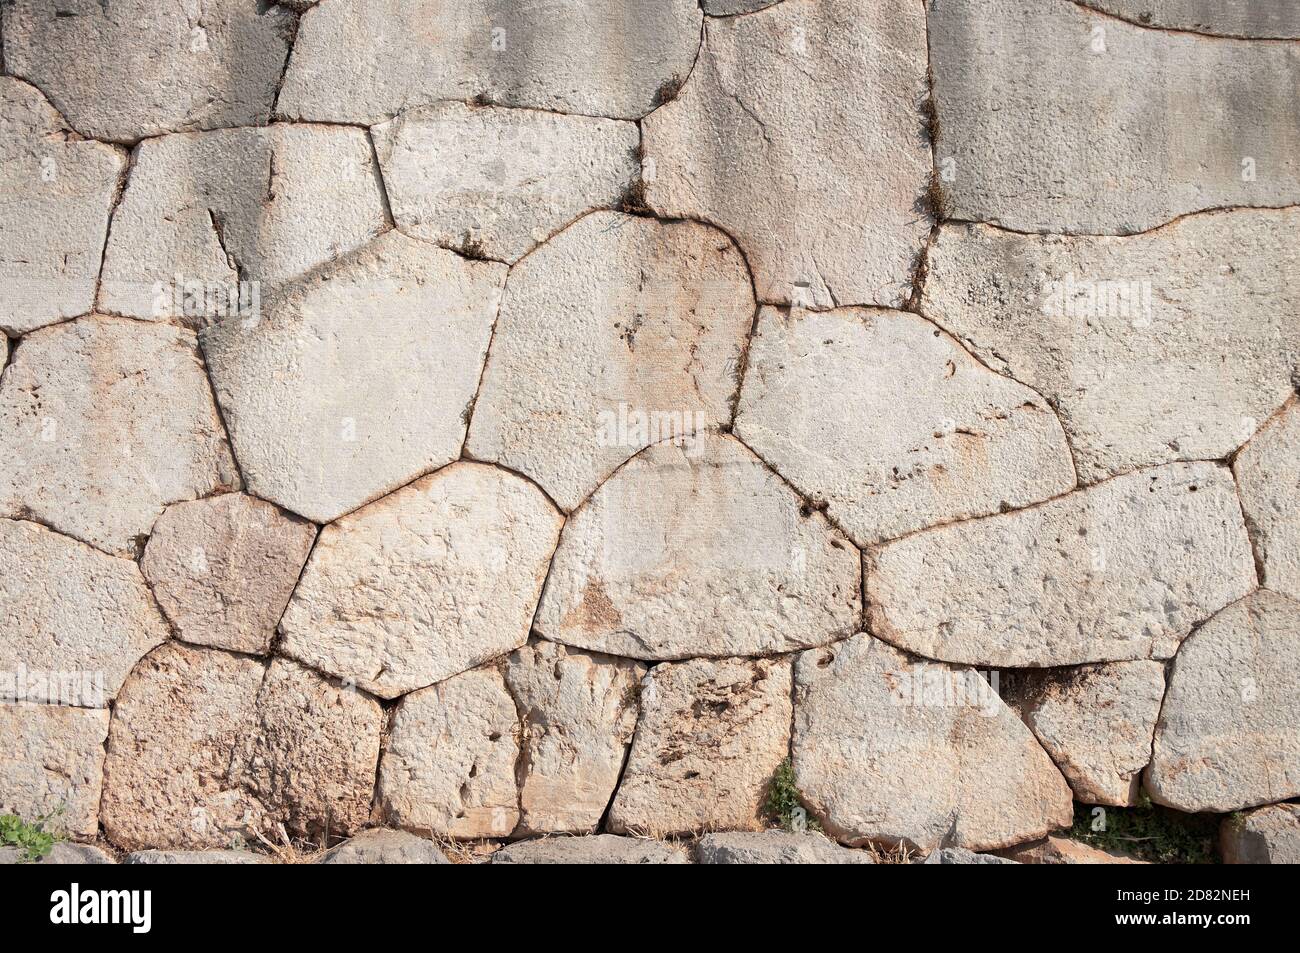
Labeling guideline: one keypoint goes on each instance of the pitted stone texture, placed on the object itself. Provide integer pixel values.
(579, 713)
(711, 735)
(359, 379)
(126, 70)
(498, 182)
(959, 855)
(892, 424)
(1118, 571)
(1268, 476)
(1229, 732)
(103, 423)
(57, 193)
(385, 847)
(73, 621)
(425, 583)
(1269, 835)
(775, 847)
(189, 857)
(726, 8)
(205, 211)
(62, 853)
(597, 849)
(450, 762)
(607, 59)
(207, 747)
(1096, 721)
(1153, 348)
(222, 569)
(1264, 19)
(618, 333)
(892, 750)
(728, 565)
(799, 132)
(1062, 850)
(1016, 82)
(53, 765)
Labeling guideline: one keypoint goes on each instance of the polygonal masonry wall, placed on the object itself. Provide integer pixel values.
(669, 419)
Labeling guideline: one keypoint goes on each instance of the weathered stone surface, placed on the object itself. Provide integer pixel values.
(223, 568)
(597, 849)
(1261, 18)
(896, 751)
(62, 853)
(1015, 84)
(775, 847)
(611, 59)
(1268, 477)
(1269, 835)
(579, 712)
(892, 424)
(103, 422)
(1121, 570)
(52, 766)
(728, 565)
(1153, 348)
(620, 332)
(726, 8)
(425, 583)
(1229, 732)
(196, 857)
(1062, 850)
(800, 134)
(959, 855)
(359, 380)
(449, 766)
(205, 212)
(73, 621)
(711, 735)
(385, 847)
(1096, 721)
(498, 182)
(207, 748)
(125, 70)
(57, 193)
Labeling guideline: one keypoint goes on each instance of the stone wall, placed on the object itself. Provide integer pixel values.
(497, 420)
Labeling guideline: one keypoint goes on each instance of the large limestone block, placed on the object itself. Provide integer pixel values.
(892, 424)
(103, 423)
(1229, 732)
(579, 712)
(55, 195)
(1188, 124)
(1268, 476)
(73, 621)
(893, 750)
(618, 333)
(596, 849)
(698, 550)
(1122, 570)
(800, 133)
(134, 68)
(571, 56)
(711, 735)
(1269, 835)
(53, 765)
(1096, 721)
(222, 569)
(1153, 348)
(211, 223)
(449, 766)
(425, 583)
(360, 378)
(498, 182)
(775, 847)
(1263, 19)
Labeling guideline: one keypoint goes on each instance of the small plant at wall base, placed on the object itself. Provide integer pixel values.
(30, 837)
(784, 804)
(1149, 832)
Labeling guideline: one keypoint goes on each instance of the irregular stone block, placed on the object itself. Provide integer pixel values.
(449, 766)
(188, 857)
(1118, 571)
(360, 379)
(711, 735)
(799, 132)
(728, 565)
(425, 583)
(385, 847)
(892, 750)
(775, 847)
(892, 424)
(53, 766)
(103, 423)
(619, 333)
(1268, 478)
(1263, 19)
(1062, 850)
(1016, 83)
(596, 849)
(1229, 731)
(1269, 835)
(959, 855)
